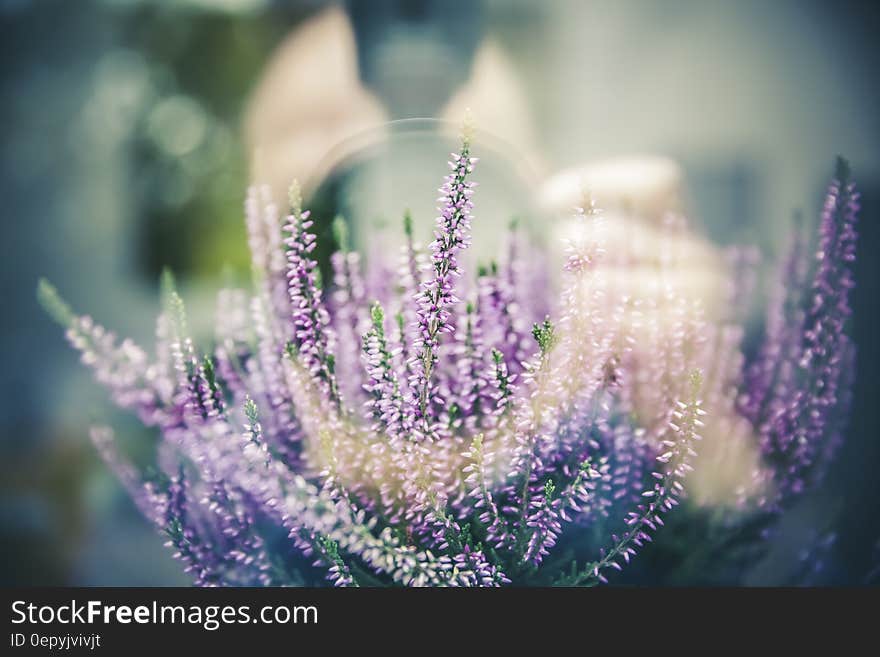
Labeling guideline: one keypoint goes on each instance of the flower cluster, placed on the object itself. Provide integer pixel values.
(445, 430)
(800, 385)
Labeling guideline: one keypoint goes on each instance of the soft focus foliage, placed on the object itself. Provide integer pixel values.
(441, 430)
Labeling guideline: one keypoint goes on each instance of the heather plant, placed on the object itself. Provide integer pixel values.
(443, 429)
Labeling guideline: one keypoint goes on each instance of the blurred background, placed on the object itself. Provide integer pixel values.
(129, 130)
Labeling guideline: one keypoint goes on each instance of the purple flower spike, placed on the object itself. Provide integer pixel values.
(438, 291)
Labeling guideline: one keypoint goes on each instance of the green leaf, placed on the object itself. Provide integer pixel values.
(53, 304)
